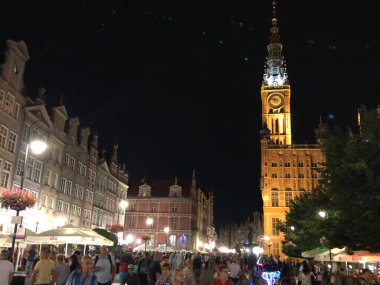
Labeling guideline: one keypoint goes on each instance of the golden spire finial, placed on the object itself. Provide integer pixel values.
(274, 19)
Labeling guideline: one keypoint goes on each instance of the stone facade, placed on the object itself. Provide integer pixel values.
(189, 216)
(69, 180)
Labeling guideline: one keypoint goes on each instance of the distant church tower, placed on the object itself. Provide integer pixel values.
(287, 170)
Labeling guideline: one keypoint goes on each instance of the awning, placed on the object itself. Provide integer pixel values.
(312, 253)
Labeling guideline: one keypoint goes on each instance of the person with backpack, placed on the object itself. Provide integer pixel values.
(83, 275)
(104, 266)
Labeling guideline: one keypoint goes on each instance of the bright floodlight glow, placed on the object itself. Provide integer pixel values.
(292, 228)
(322, 214)
(257, 250)
(123, 204)
(200, 243)
(37, 146)
(149, 221)
(59, 222)
(266, 238)
(166, 230)
(138, 241)
(212, 245)
(129, 238)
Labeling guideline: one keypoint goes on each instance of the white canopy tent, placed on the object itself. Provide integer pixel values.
(69, 234)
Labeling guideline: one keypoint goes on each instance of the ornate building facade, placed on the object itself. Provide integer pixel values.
(183, 209)
(287, 169)
(71, 184)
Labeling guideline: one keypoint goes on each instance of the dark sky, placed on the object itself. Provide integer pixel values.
(177, 83)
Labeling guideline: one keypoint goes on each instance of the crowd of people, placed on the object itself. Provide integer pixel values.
(175, 268)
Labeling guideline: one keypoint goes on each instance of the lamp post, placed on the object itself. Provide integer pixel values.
(325, 215)
(269, 243)
(123, 204)
(37, 147)
(166, 230)
(149, 222)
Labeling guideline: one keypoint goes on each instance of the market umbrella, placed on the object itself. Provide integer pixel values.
(312, 253)
(70, 234)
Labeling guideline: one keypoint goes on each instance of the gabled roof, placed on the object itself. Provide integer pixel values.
(103, 165)
(160, 188)
(40, 112)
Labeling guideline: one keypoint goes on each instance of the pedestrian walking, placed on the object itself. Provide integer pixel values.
(6, 268)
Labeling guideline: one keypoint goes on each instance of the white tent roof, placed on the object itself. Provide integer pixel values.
(70, 235)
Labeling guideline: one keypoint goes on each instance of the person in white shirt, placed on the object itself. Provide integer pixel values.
(6, 268)
(235, 270)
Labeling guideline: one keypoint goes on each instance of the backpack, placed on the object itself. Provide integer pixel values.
(97, 258)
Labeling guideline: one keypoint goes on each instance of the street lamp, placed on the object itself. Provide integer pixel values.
(36, 147)
(325, 215)
(123, 204)
(269, 243)
(166, 230)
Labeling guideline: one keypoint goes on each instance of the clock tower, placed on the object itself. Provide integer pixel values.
(287, 170)
(275, 90)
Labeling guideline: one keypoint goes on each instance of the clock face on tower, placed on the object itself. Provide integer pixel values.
(275, 100)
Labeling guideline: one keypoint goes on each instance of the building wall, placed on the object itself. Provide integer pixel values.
(64, 177)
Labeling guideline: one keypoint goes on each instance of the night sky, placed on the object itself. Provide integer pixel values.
(177, 83)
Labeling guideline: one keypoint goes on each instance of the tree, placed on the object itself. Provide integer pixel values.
(349, 190)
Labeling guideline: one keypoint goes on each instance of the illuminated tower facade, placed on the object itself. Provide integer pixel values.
(287, 170)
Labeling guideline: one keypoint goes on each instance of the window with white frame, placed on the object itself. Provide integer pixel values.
(16, 111)
(47, 177)
(54, 180)
(66, 159)
(274, 198)
(12, 142)
(131, 221)
(173, 240)
(37, 171)
(51, 203)
(74, 210)
(76, 191)
(63, 185)
(288, 198)
(20, 163)
(5, 175)
(174, 208)
(79, 211)
(79, 168)
(9, 103)
(173, 223)
(84, 170)
(66, 207)
(69, 186)
(3, 136)
(2, 98)
(81, 191)
(275, 223)
(60, 206)
(72, 162)
(29, 167)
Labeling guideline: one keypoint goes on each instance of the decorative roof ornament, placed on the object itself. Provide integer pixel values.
(275, 67)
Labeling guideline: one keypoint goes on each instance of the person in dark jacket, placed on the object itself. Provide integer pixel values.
(197, 267)
(131, 278)
(75, 260)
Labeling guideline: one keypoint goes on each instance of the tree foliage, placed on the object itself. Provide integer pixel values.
(107, 234)
(349, 191)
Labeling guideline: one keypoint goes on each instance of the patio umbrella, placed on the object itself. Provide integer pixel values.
(312, 253)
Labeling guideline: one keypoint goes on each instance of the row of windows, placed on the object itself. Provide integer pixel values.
(8, 104)
(287, 175)
(69, 161)
(51, 179)
(73, 210)
(300, 164)
(33, 170)
(131, 222)
(82, 169)
(153, 207)
(101, 219)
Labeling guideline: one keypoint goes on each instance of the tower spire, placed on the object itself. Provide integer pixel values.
(275, 69)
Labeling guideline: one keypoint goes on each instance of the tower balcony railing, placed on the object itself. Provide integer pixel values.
(294, 146)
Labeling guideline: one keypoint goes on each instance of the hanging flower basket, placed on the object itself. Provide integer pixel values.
(116, 228)
(17, 200)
